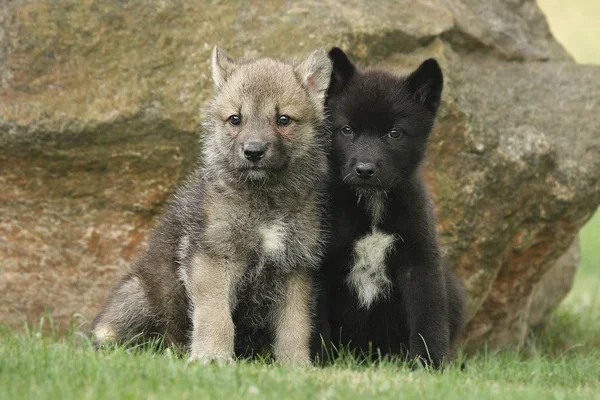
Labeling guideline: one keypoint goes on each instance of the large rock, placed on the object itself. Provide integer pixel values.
(100, 104)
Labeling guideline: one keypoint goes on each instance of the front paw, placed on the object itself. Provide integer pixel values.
(427, 354)
(204, 358)
(205, 352)
(295, 360)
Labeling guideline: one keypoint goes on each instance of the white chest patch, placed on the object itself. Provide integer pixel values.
(273, 238)
(368, 274)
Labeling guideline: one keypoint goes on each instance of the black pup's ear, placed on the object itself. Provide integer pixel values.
(426, 82)
(343, 69)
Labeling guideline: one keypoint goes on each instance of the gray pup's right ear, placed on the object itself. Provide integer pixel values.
(222, 66)
(314, 74)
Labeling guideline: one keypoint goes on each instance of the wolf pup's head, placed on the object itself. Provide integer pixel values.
(266, 121)
(380, 122)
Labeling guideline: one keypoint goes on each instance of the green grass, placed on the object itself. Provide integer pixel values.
(561, 361)
(45, 368)
(577, 320)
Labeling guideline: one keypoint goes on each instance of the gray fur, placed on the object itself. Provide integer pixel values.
(235, 242)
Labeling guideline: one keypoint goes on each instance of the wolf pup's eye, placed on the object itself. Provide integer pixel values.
(235, 119)
(395, 133)
(284, 120)
(346, 130)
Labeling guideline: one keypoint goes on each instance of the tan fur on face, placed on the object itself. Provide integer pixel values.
(211, 287)
(259, 92)
(240, 82)
(292, 322)
(263, 86)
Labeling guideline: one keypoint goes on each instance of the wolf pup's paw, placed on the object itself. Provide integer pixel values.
(206, 359)
(210, 355)
(421, 362)
(103, 335)
(427, 356)
(297, 361)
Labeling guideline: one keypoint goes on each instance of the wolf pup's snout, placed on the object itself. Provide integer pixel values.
(254, 150)
(365, 170)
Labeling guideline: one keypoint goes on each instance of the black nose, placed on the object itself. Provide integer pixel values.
(254, 151)
(365, 170)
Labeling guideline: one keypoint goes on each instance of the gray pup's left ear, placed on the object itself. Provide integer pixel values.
(222, 66)
(314, 73)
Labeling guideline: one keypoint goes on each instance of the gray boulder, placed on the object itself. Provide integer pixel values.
(100, 106)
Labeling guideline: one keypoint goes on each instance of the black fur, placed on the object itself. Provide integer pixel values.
(422, 312)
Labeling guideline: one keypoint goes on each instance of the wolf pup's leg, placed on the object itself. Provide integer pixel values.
(210, 289)
(321, 344)
(126, 314)
(292, 321)
(427, 314)
(457, 305)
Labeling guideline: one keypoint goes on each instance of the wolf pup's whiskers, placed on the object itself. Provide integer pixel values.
(230, 266)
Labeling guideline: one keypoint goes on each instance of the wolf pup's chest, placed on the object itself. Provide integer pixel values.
(266, 236)
(289, 242)
(368, 270)
(368, 276)
(276, 236)
(272, 237)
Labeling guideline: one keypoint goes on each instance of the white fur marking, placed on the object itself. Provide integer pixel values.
(273, 236)
(104, 334)
(376, 206)
(368, 275)
(182, 251)
(184, 277)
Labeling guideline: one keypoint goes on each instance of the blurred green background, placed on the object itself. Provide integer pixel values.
(576, 25)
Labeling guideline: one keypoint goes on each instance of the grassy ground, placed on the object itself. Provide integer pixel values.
(36, 368)
(561, 361)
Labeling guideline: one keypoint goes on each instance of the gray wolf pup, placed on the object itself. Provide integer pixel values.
(386, 285)
(231, 264)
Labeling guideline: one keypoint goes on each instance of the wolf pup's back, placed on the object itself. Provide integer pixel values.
(232, 262)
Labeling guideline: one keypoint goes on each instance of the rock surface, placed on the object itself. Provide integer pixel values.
(100, 104)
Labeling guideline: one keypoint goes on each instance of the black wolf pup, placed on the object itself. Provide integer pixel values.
(386, 288)
(231, 264)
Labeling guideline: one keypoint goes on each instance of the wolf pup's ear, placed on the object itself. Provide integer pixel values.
(426, 82)
(222, 66)
(343, 69)
(314, 74)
